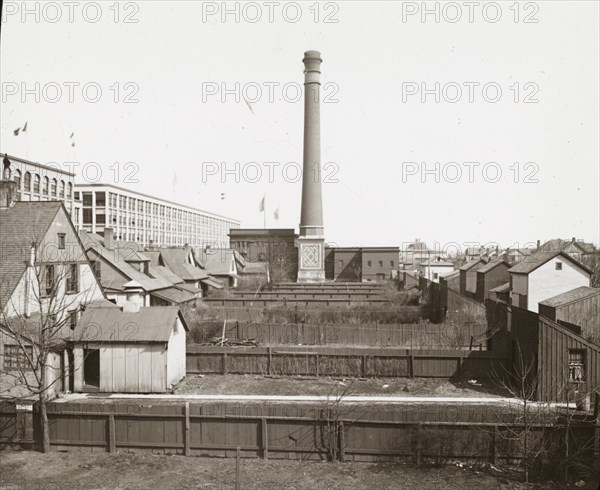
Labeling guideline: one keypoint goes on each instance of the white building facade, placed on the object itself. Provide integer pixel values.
(144, 219)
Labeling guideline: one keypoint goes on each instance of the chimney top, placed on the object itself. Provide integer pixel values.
(109, 237)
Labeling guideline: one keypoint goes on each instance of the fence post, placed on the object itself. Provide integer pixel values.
(411, 360)
(342, 442)
(265, 438)
(269, 361)
(597, 425)
(238, 330)
(317, 363)
(224, 366)
(112, 443)
(418, 450)
(238, 454)
(186, 431)
(364, 366)
(494, 457)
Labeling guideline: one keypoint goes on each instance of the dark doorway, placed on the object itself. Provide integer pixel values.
(91, 369)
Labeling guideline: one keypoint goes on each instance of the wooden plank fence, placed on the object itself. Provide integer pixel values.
(410, 336)
(405, 433)
(350, 362)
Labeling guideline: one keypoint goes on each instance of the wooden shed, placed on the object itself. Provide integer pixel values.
(468, 277)
(578, 309)
(129, 351)
(564, 362)
(491, 275)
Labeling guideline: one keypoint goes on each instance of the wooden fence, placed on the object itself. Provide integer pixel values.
(409, 336)
(331, 431)
(349, 362)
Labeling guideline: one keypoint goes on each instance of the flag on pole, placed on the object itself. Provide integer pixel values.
(71, 137)
(262, 205)
(21, 130)
(276, 214)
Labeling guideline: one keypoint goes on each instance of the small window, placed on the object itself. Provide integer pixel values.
(36, 183)
(558, 266)
(62, 241)
(341, 263)
(391, 263)
(576, 365)
(72, 284)
(27, 183)
(73, 319)
(368, 263)
(17, 357)
(435, 275)
(46, 186)
(53, 187)
(49, 280)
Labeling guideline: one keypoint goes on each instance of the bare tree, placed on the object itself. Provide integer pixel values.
(35, 327)
(521, 381)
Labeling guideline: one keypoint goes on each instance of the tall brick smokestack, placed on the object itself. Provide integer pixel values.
(311, 240)
(311, 217)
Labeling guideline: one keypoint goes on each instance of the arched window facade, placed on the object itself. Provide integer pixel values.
(53, 188)
(46, 186)
(18, 178)
(36, 183)
(62, 189)
(70, 190)
(27, 182)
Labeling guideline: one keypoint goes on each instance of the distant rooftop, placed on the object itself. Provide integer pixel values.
(572, 296)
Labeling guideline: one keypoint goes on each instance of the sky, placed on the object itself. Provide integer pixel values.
(455, 126)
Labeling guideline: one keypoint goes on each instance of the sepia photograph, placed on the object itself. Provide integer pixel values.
(300, 245)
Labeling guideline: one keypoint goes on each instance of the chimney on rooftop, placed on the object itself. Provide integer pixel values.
(109, 238)
(8, 187)
(134, 294)
(573, 240)
(538, 244)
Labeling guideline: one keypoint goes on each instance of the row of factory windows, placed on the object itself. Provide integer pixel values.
(34, 183)
(131, 204)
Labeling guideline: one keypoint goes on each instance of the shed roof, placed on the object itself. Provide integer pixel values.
(503, 288)
(492, 265)
(469, 265)
(538, 259)
(571, 296)
(150, 324)
(174, 295)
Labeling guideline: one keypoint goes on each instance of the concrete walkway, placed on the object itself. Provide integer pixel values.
(73, 397)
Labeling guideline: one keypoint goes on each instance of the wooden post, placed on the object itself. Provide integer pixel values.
(364, 366)
(224, 363)
(317, 363)
(238, 452)
(186, 431)
(411, 362)
(418, 450)
(112, 443)
(238, 330)
(342, 442)
(265, 438)
(597, 427)
(269, 361)
(494, 457)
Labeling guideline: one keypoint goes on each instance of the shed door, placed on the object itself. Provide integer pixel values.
(91, 369)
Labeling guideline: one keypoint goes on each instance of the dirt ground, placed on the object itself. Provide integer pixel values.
(123, 471)
(215, 384)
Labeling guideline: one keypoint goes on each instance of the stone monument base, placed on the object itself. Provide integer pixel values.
(311, 259)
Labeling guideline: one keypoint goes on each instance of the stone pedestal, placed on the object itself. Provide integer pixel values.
(311, 259)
